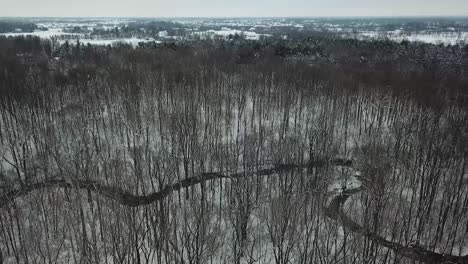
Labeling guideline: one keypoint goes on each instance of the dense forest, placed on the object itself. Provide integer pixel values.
(12, 26)
(303, 150)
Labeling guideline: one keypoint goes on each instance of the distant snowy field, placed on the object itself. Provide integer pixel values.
(104, 42)
(445, 38)
(83, 40)
(58, 29)
(226, 32)
(52, 32)
(250, 29)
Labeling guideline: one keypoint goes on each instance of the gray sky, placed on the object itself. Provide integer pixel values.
(193, 8)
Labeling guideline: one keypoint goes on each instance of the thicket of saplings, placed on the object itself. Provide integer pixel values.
(233, 152)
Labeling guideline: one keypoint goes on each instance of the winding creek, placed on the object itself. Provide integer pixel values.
(333, 210)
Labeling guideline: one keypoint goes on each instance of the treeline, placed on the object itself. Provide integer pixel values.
(408, 24)
(12, 26)
(430, 74)
(139, 29)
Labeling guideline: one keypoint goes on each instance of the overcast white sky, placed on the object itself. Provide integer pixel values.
(194, 8)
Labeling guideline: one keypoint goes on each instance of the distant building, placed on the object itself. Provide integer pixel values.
(162, 34)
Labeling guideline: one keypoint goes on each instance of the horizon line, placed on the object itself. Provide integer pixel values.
(238, 17)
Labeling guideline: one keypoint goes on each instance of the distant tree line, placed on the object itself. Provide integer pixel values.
(431, 74)
(12, 26)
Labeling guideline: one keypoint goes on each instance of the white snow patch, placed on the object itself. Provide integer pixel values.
(104, 42)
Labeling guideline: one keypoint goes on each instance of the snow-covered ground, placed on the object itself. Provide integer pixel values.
(54, 32)
(254, 29)
(45, 34)
(104, 42)
(226, 32)
(445, 38)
